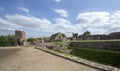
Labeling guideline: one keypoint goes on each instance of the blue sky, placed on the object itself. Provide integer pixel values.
(45, 17)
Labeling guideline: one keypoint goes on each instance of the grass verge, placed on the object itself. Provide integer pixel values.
(114, 40)
(101, 56)
(60, 43)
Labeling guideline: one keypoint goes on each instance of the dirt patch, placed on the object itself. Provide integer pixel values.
(30, 59)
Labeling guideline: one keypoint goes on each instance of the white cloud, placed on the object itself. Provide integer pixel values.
(95, 22)
(63, 25)
(99, 22)
(57, 0)
(7, 27)
(23, 9)
(34, 24)
(16, 21)
(28, 21)
(6, 24)
(62, 12)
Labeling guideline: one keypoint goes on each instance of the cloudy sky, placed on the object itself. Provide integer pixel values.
(44, 17)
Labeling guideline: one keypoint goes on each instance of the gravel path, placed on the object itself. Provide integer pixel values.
(30, 59)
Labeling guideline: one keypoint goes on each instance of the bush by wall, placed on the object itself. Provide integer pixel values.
(31, 39)
(8, 40)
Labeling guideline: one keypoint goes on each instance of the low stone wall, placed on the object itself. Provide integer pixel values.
(111, 45)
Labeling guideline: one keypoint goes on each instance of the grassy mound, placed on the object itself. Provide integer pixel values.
(101, 56)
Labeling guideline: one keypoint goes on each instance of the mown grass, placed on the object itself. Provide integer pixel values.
(95, 40)
(101, 56)
(60, 43)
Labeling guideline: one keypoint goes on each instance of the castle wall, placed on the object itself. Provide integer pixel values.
(106, 45)
(90, 37)
(104, 37)
(114, 36)
(98, 37)
(20, 38)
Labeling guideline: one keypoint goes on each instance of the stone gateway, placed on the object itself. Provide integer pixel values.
(20, 38)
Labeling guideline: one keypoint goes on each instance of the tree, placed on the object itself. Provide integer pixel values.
(8, 40)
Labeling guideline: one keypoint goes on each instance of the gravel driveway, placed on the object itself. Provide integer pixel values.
(30, 59)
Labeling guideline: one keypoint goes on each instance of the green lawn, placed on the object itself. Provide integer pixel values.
(101, 56)
(95, 40)
(60, 43)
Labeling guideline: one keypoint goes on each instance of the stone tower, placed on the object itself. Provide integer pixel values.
(87, 33)
(20, 38)
(75, 36)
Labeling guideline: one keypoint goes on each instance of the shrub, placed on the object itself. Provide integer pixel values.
(8, 40)
(100, 56)
(31, 39)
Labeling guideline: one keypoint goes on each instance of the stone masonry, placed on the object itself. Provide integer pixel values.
(109, 45)
(87, 36)
(20, 38)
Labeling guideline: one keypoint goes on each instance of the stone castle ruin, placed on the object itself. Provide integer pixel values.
(87, 36)
(75, 36)
(58, 37)
(20, 38)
